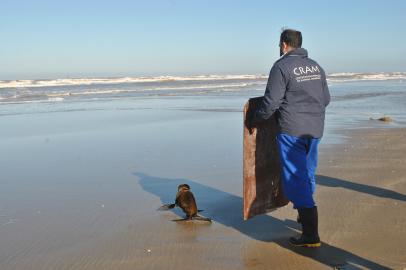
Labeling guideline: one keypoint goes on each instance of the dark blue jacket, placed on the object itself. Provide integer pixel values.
(297, 91)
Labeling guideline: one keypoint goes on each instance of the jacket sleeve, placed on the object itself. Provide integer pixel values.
(274, 94)
(326, 92)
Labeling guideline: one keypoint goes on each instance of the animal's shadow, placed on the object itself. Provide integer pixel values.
(226, 208)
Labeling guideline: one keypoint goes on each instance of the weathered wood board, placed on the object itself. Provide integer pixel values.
(262, 186)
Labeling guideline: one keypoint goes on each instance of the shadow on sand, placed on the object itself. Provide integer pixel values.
(226, 208)
(371, 190)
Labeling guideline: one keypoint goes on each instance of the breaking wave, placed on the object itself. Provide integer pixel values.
(333, 77)
(122, 80)
(22, 91)
(58, 93)
(376, 76)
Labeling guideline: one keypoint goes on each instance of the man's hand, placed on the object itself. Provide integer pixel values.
(250, 122)
(249, 125)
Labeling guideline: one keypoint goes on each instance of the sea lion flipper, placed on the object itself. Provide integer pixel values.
(197, 217)
(166, 207)
(181, 219)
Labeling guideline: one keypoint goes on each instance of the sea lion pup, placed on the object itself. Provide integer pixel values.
(186, 201)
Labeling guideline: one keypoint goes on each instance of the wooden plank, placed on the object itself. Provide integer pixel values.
(262, 186)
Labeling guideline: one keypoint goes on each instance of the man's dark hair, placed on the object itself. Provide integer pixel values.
(292, 38)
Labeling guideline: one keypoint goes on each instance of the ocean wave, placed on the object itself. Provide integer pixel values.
(52, 95)
(121, 80)
(55, 99)
(333, 77)
(375, 76)
(221, 87)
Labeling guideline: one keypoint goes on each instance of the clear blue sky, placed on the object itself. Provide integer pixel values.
(79, 38)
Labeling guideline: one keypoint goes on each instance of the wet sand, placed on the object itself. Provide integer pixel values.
(362, 196)
(81, 194)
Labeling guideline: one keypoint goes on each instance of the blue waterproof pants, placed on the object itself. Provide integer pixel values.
(299, 162)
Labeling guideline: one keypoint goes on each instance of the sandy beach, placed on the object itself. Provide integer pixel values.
(80, 189)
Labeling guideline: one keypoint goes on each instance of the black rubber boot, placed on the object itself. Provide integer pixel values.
(310, 236)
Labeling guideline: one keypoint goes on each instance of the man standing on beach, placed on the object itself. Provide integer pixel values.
(297, 92)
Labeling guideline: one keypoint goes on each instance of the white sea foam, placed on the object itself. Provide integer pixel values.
(23, 95)
(334, 77)
(221, 87)
(212, 86)
(122, 80)
(42, 90)
(376, 76)
(54, 99)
